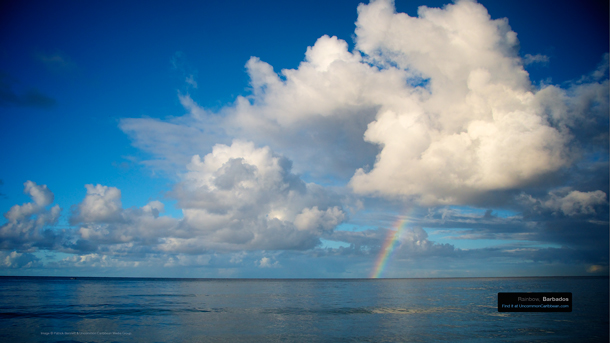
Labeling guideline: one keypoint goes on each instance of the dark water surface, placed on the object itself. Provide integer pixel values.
(50, 309)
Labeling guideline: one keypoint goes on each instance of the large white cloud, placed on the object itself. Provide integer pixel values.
(437, 108)
(481, 128)
(101, 220)
(101, 204)
(27, 225)
(243, 197)
(238, 197)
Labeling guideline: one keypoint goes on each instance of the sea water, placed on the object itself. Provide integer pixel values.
(49, 309)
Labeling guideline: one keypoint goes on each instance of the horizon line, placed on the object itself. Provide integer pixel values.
(279, 279)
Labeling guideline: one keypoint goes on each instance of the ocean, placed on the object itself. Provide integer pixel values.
(57, 309)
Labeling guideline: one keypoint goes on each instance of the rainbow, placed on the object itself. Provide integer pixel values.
(388, 247)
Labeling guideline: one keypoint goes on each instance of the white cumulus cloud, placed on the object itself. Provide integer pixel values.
(26, 227)
(243, 197)
(479, 129)
(101, 204)
(436, 108)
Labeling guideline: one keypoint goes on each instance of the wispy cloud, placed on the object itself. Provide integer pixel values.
(2, 195)
(180, 65)
(538, 58)
(29, 97)
(56, 61)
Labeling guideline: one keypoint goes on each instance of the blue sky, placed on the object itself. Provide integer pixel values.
(281, 139)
